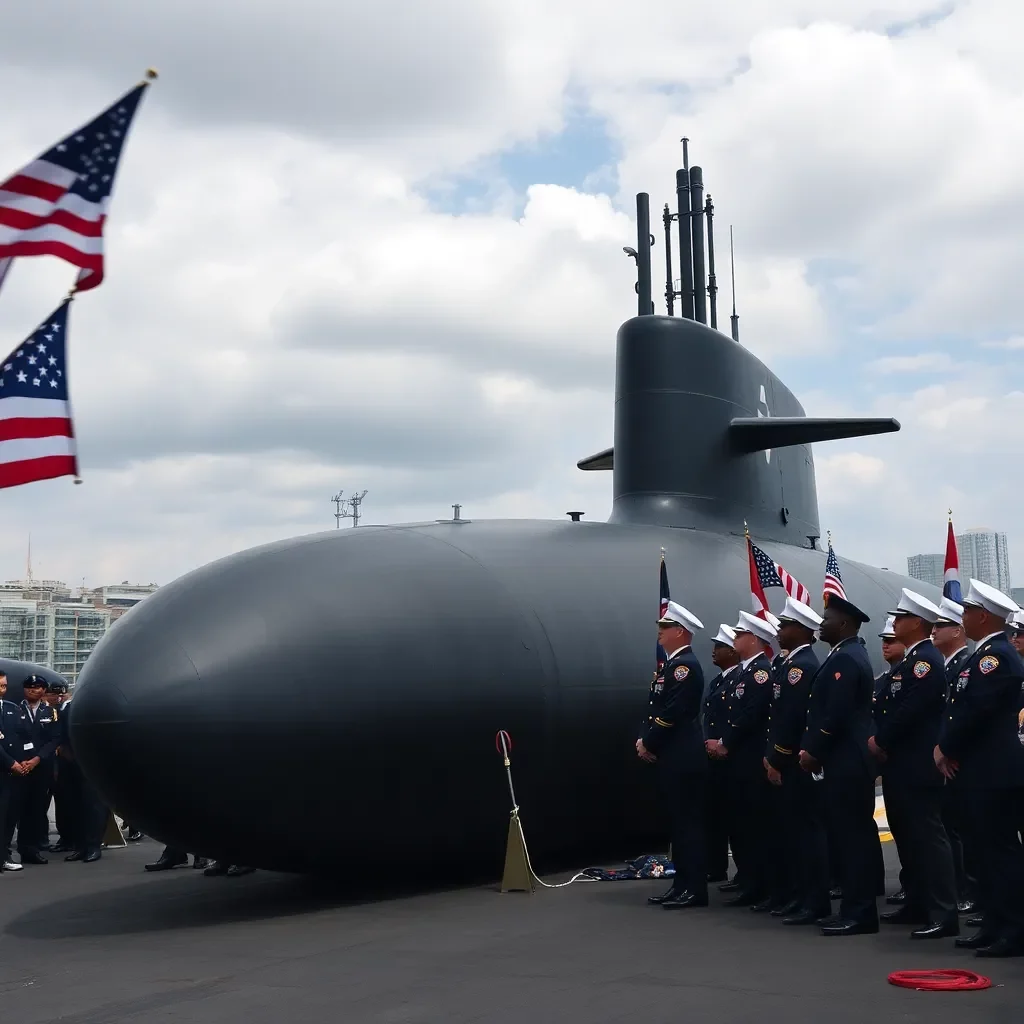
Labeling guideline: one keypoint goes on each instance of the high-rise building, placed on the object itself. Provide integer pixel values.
(982, 553)
(41, 621)
(927, 568)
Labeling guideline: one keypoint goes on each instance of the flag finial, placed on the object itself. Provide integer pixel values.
(828, 533)
(152, 74)
(951, 515)
(746, 532)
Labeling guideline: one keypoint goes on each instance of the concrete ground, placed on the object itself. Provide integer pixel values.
(107, 943)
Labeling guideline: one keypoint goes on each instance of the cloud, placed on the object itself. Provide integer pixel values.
(318, 278)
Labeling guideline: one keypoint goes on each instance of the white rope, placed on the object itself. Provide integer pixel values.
(579, 877)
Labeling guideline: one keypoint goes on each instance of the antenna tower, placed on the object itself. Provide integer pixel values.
(348, 508)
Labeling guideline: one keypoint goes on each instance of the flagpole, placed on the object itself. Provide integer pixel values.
(67, 382)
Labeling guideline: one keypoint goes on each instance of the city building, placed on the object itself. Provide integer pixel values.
(983, 555)
(44, 622)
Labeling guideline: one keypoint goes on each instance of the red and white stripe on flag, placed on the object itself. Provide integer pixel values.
(37, 440)
(793, 586)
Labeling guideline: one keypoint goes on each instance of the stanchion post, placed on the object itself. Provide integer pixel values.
(517, 876)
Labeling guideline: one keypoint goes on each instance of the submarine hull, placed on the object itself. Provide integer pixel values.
(330, 703)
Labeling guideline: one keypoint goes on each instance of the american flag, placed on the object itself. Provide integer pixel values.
(771, 574)
(662, 656)
(37, 439)
(57, 204)
(833, 580)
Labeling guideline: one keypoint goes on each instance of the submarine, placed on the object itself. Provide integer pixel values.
(330, 703)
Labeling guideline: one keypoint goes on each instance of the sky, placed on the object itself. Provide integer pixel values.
(379, 247)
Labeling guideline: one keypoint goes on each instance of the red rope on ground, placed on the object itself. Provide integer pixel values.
(940, 981)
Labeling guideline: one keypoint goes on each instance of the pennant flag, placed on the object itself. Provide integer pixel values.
(771, 574)
(833, 579)
(662, 657)
(951, 570)
(758, 602)
(56, 205)
(37, 438)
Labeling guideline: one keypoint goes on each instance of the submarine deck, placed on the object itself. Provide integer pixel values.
(107, 943)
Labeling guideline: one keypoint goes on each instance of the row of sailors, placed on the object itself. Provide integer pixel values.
(791, 748)
(37, 767)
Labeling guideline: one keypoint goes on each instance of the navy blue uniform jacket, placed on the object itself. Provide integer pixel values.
(909, 715)
(673, 731)
(839, 712)
(748, 705)
(980, 730)
(788, 717)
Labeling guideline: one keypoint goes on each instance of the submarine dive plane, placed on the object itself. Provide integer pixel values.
(330, 703)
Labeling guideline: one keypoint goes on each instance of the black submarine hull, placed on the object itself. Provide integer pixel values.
(330, 703)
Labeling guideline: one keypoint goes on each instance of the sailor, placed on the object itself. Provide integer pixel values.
(742, 745)
(893, 652)
(951, 641)
(978, 746)
(674, 740)
(835, 745)
(89, 812)
(40, 747)
(910, 716)
(12, 741)
(725, 658)
(800, 849)
(56, 695)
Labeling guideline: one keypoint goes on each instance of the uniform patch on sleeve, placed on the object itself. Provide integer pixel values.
(921, 669)
(988, 664)
(681, 672)
(760, 677)
(795, 675)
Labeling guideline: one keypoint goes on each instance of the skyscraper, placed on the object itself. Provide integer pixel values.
(983, 555)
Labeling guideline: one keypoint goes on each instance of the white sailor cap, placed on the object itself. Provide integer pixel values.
(726, 635)
(800, 613)
(888, 632)
(773, 619)
(677, 615)
(982, 595)
(950, 612)
(912, 603)
(1016, 620)
(759, 627)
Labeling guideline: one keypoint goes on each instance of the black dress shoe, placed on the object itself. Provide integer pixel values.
(808, 917)
(850, 928)
(763, 906)
(792, 907)
(32, 857)
(905, 915)
(978, 921)
(668, 894)
(974, 941)
(91, 857)
(937, 930)
(237, 870)
(77, 855)
(685, 900)
(165, 863)
(1002, 947)
(742, 899)
(897, 897)
(729, 887)
(60, 847)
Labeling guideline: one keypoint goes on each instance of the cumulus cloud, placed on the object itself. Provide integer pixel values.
(288, 313)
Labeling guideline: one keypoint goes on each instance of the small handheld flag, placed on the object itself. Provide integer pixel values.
(951, 569)
(833, 578)
(37, 438)
(56, 205)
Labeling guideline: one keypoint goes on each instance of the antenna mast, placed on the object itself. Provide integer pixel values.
(351, 510)
(732, 263)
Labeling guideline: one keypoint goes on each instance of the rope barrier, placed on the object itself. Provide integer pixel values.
(951, 980)
(503, 743)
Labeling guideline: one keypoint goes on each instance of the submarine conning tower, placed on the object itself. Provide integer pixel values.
(706, 437)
